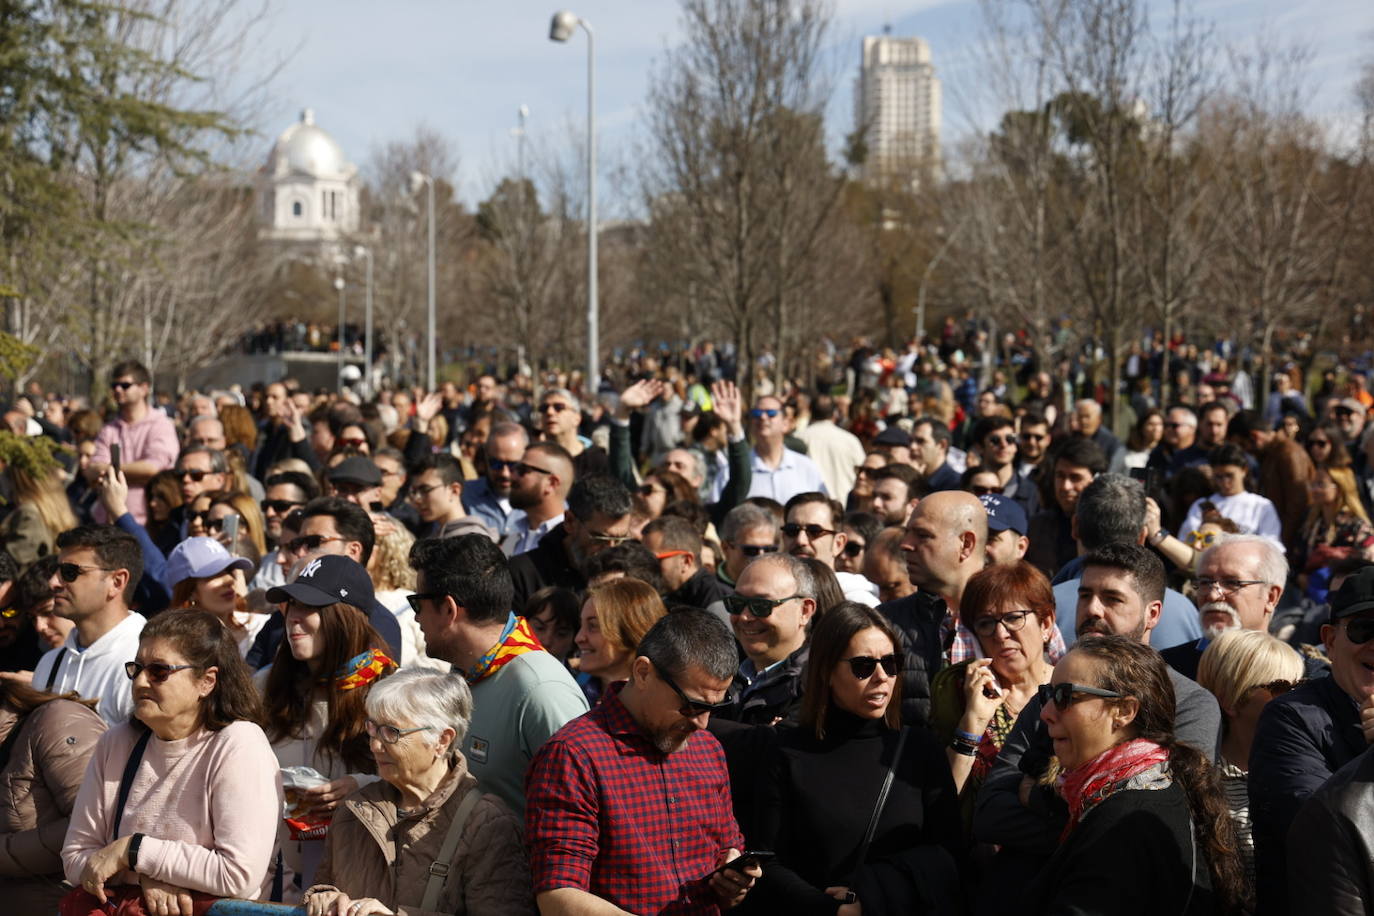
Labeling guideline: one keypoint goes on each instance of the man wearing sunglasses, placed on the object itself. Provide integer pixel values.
(771, 613)
(538, 495)
(677, 545)
(597, 517)
(1121, 593)
(560, 418)
(995, 440)
(147, 437)
(285, 492)
(489, 497)
(778, 472)
(98, 571)
(200, 469)
(814, 528)
(654, 781)
(746, 532)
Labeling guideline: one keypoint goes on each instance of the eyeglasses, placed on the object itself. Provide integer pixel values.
(123, 385)
(985, 491)
(690, 708)
(195, 474)
(553, 407)
(157, 672)
(422, 492)
(390, 734)
(522, 469)
(310, 542)
(853, 548)
(1227, 586)
(759, 413)
(70, 572)
(1065, 695)
(610, 540)
(999, 441)
(278, 506)
(759, 607)
(863, 666)
(813, 532)
(1012, 620)
(754, 550)
(415, 599)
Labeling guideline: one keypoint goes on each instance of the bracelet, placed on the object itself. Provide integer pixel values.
(134, 841)
(968, 737)
(964, 748)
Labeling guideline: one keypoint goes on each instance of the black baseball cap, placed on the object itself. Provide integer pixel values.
(1355, 594)
(355, 469)
(893, 435)
(327, 580)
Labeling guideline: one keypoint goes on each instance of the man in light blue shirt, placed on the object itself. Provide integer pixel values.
(778, 472)
(488, 498)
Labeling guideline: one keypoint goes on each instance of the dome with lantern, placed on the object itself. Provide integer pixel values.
(307, 187)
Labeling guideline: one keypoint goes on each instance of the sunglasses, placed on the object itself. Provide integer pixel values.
(157, 672)
(813, 532)
(1034, 437)
(999, 441)
(196, 475)
(985, 491)
(759, 413)
(754, 550)
(611, 540)
(853, 548)
(70, 572)
(1065, 695)
(496, 464)
(310, 542)
(553, 407)
(1201, 540)
(279, 506)
(217, 524)
(352, 443)
(522, 469)
(390, 734)
(759, 607)
(1360, 631)
(1012, 620)
(123, 386)
(415, 599)
(690, 708)
(863, 666)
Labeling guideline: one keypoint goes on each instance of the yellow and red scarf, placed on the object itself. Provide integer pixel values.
(516, 639)
(362, 670)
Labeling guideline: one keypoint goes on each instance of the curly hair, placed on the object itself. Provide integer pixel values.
(390, 564)
(1136, 671)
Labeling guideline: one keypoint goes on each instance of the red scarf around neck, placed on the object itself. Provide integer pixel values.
(1089, 784)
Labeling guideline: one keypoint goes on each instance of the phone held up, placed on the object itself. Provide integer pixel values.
(746, 859)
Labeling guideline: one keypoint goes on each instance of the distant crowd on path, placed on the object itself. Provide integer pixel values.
(506, 648)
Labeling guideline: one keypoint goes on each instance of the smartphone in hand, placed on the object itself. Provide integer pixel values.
(747, 858)
(115, 456)
(231, 531)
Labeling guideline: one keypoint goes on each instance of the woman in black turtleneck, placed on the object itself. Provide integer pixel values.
(818, 792)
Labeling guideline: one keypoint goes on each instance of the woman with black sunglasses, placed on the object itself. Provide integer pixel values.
(824, 777)
(183, 801)
(1148, 830)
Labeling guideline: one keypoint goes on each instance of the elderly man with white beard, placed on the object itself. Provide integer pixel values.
(1239, 582)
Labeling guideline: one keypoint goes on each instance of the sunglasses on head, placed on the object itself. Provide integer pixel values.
(1065, 695)
(690, 708)
(1280, 686)
(70, 572)
(157, 672)
(759, 607)
(853, 548)
(863, 666)
(813, 532)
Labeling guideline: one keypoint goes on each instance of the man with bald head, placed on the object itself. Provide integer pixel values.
(488, 498)
(539, 489)
(1086, 421)
(945, 544)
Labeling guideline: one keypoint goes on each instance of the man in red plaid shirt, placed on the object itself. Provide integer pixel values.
(628, 806)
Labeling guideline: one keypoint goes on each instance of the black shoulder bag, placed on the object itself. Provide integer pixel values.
(127, 780)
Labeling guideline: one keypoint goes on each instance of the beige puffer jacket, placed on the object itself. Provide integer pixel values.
(37, 789)
(371, 852)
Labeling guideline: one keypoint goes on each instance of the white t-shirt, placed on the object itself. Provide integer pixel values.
(1252, 513)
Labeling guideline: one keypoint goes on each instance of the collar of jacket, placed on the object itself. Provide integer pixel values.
(376, 805)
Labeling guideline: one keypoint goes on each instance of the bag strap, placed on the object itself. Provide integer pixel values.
(126, 781)
(52, 675)
(438, 870)
(882, 798)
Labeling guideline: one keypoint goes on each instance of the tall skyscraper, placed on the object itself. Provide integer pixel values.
(897, 105)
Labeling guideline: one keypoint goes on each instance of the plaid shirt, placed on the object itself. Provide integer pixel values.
(965, 645)
(609, 814)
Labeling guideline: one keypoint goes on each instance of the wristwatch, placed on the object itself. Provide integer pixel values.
(1158, 537)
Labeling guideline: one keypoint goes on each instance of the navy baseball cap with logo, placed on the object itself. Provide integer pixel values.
(1004, 514)
(328, 580)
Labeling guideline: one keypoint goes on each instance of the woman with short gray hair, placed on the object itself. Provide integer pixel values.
(429, 810)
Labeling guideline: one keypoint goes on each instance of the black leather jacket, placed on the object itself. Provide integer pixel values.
(1331, 845)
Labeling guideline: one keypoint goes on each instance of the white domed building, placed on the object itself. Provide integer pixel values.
(308, 190)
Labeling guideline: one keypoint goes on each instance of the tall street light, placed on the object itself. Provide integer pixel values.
(416, 180)
(361, 251)
(561, 29)
(339, 381)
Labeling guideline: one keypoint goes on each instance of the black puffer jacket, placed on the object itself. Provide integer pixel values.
(917, 619)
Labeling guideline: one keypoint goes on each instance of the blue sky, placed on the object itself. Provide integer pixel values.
(373, 71)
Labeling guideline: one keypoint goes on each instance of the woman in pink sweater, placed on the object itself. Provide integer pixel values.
(205, 794)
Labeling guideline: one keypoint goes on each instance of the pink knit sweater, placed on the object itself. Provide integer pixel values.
(208, 807)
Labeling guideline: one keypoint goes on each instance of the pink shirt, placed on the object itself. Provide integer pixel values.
(154, 438)
(208, 807)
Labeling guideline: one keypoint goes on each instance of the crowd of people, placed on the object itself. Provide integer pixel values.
(883, 645)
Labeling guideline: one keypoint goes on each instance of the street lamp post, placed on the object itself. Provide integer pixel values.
(339, 285)
(561, 29)
(360, 251)
(417, 179)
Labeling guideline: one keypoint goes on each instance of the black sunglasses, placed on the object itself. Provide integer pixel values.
(157, 672)
(522, 469)
(813, 532)
(759, 607)
(1064, 695)
(863, 666)
(754, 550)
(853, 548)
(195, 474)
(70, 572)
(1360, 631)
(985, 491)
(279, 506)
(310, 542)
(123, 386)
(415, 599)
(496, 464)
(690, 708)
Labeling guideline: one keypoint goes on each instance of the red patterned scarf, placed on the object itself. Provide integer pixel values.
(362, 670)
(516, 640)
(1135, 764)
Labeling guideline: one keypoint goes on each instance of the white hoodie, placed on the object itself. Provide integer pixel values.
(96, 672)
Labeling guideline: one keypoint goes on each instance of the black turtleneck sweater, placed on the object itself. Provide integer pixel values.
(816, 798)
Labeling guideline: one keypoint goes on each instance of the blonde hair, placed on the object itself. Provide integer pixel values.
(1344, 479)
(48, 496)
(390, 563)
(1238, 661)
(626, 609)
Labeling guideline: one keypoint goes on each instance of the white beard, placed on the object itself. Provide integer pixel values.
(1216, 629)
